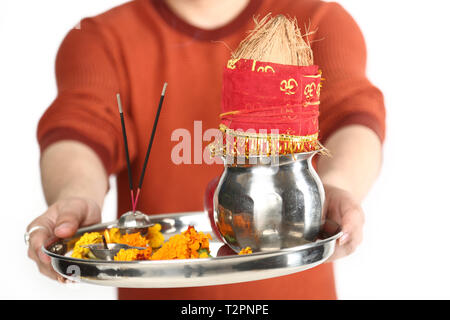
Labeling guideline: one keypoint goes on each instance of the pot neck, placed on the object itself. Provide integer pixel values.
(268, 160)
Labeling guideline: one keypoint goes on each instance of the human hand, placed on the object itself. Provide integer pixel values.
(341, 207)
(62, 219)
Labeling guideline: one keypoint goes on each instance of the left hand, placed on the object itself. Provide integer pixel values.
(341, 207)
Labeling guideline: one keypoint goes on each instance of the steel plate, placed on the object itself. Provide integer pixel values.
(224, 268)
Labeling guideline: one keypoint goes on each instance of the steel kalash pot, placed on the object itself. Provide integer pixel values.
(269, 206)
(276, 204)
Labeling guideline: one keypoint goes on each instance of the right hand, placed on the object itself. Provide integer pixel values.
(62, 219)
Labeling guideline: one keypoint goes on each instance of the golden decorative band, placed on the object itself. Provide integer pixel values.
(280, 137)
(239, 143)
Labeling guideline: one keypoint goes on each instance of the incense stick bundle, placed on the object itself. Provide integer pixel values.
(152, 137)
(125, 141)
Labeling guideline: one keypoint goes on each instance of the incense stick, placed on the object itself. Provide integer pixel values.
(141, 180)
(104, 242)
(125, 141)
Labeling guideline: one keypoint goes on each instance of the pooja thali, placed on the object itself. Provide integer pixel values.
(224, 267)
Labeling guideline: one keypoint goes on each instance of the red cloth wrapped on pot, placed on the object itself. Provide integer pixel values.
(270, 108)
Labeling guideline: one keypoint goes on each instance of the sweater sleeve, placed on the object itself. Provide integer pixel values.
(348, 97)
(88, 73)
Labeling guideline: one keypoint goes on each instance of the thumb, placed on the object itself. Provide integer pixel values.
(71, 213)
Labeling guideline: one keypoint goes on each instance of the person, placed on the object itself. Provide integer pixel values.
(132, 50)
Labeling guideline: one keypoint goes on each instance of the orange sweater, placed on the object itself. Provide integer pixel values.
(133, 49)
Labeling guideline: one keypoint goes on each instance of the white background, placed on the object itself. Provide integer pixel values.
(405, 254)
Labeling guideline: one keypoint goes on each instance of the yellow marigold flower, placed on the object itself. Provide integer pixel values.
(246, 250)
(126, 255)
(204, 253)
(113, 235)
(87, 238)
(154, 236)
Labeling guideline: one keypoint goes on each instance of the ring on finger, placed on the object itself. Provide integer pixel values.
(27, 234)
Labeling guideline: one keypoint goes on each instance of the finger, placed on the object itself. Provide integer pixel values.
(39, 237)
(75, 213)
(348, 246)
(37, 240)
(44, 267)
(339, 253)
(61, 279)
(70, 216)
(345, 250)
(47, 271)
(352, 238)
(352, 220)
(32, 255)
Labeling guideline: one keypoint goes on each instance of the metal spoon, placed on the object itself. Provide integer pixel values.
(132, 222)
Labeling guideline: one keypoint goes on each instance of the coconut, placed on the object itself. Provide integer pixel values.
(278, 40)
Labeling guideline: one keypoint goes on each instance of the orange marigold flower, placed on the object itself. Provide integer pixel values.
(133, 254)
(184, 246)
(246, 250)
(134, 240)
(175, 248)
(145, 254)
(187, 245)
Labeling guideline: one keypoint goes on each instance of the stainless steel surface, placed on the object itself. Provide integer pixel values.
(102, 253)
(132, 222)
(225, 267)
(269, 206)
